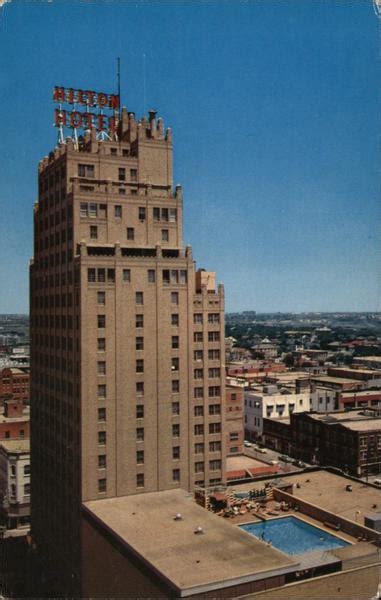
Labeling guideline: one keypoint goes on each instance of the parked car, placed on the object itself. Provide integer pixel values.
(285, 458)
(299, 463)
(274, 462)
(262, 450)
(247, 444)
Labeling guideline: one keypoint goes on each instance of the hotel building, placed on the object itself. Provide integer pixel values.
(127, 338)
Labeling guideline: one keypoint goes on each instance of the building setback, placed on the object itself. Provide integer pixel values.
(127, 339)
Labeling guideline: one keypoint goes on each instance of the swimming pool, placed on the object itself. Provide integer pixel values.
(294, 536)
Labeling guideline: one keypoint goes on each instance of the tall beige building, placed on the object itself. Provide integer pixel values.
(127, 338)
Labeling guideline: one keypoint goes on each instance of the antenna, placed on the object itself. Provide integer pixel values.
(118, 81)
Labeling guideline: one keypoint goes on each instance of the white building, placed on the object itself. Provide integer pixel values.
(271, 401)
(15, 483)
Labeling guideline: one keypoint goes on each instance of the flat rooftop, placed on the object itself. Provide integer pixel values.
(145, 524)
(328, 491)
(20, 446)
(355, 420)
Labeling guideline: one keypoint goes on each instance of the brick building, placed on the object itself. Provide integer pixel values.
(127, 339)
(14, 384)
(234, 420)
(349, 440)
(14, 422)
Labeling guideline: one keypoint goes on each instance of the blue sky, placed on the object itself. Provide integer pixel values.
(275, 109)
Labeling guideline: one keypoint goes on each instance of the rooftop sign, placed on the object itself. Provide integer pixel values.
(87, 109)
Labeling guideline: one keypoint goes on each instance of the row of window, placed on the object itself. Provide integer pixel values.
(214, 391)
(212, 318)
(89, 171)
(212, 373)
(198, 430)
(52, 179)
(130, 233)
(102, 483)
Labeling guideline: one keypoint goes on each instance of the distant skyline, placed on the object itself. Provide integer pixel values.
(275, 110)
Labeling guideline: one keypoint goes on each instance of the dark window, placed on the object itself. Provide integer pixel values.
(126, 274)
(101, 461)
(175, 341)
(139, 321)
(101, 321)
(101, 414)
(140, 457)
(118, 211)
(175, 408)
(139, 345)
(140, 434)
(133, 175)
(140, 480)
(140, 411)
(176, 474)
(130, 233)
(176, 452)
(142, 213)
(139, 297)
(151, 275)
(121, 174)
(93, 232)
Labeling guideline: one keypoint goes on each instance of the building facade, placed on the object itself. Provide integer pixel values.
(234, 420)
(14, 484)
(127, 338)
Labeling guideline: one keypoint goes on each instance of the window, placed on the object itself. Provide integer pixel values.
(199, 467)
(214, 465)
(101, 367)
(26, 470)
(213, 318)
(101, 437)
(85, 170)
(130, 233)
(101, 414)
(175, 319)
(91, 275)
(102, 461)
(140, 434)
(197, 337)
(151, 275)
(176, 430)
(199, 448)
(122, 174)
(156, 214)
(27, 489)
(233, 436)
(139, 297)
(140, 457)
(175, 297)
(175, 386)
(101, 344)
(183, 276)
(93, 210)
(118, 211)
(214, 446)
(173, 215)
(215, 409)
(198, 373)
(102, 391)
(214, 390)
(140, 388)
(142, 213)
(110, 275)
(164, 214)
(199, 429)
(175, 342)
(176, 452)
(198, 411)
(197, 355)
(176, 475)
(175, 362)
(198, 392)
(214, 354)
(166, 277)
(213, 336)
(122, 191)
(139, 320)
(214, 427)
(175, 408)
(214, 372)
(93, 232)
(101, 321)
(139, 343)
(101, 297)
(140, 411)
(140, 365)
(140, 480)
(126, 274)
(113, 151)
(164, 235)
(133, 175)
(197, 318)
(101, 274)
(83, 209)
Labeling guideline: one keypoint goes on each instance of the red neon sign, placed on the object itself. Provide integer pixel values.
(75, 118)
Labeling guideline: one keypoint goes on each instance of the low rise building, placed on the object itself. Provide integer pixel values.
(14, 422)
(15, 484)
(14, 384)
(360, 399)
(234, 420)
(349, 440)
(272, 402)
(371, 362)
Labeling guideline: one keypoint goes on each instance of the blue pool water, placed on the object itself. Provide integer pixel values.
(294, 536)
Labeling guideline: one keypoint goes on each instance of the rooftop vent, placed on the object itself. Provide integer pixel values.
(199, 530)
(178, 517)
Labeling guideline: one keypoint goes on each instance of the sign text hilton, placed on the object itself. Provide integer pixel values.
(85, 99)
